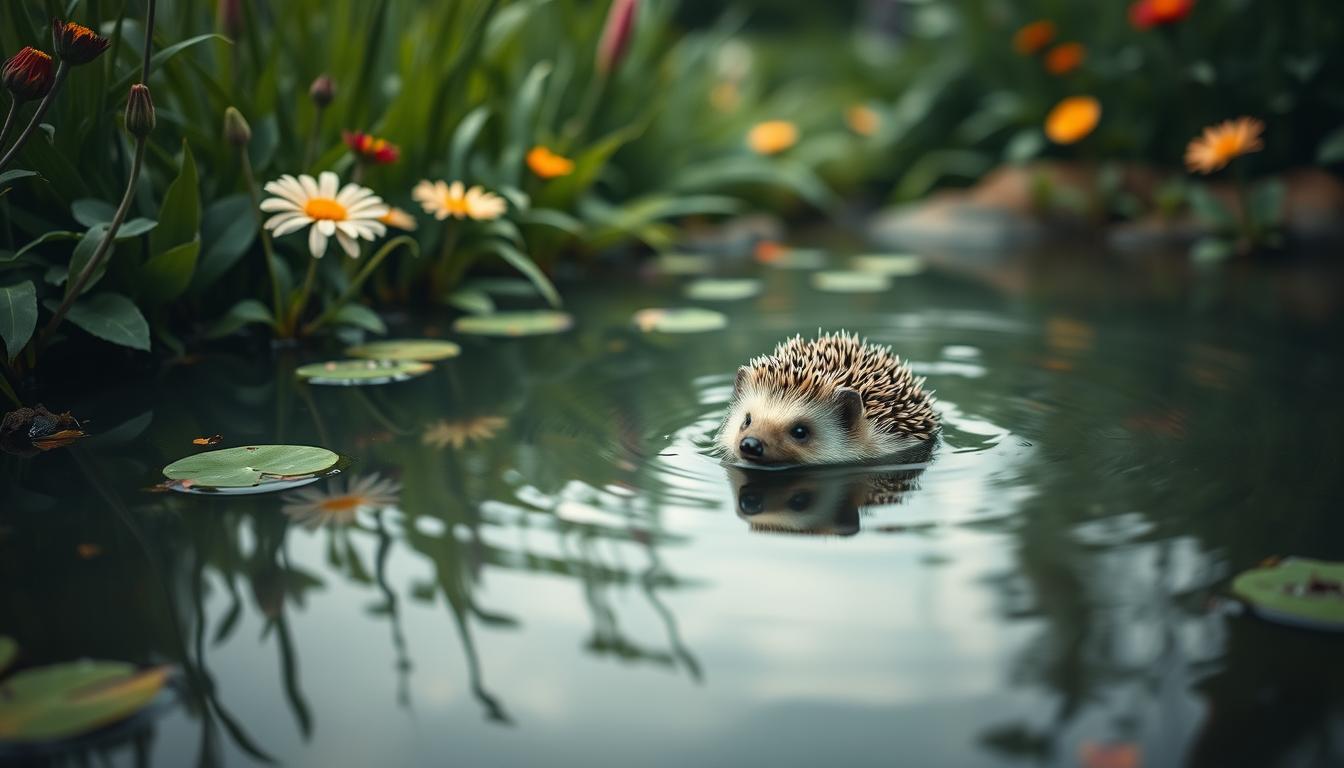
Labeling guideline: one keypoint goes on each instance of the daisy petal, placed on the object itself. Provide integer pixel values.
(317, 242)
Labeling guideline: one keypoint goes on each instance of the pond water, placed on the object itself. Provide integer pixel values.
(563, 574)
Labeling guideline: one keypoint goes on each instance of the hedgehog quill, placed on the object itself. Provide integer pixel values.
(828, 400)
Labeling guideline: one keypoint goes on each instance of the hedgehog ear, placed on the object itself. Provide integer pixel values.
(850, 407)
(740, 381)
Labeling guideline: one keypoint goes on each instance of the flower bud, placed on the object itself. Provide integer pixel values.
(616, 34)
(28, 74)
(236, 130)
(322, 91)
(76, 44)
(140, 111)
(231, 18)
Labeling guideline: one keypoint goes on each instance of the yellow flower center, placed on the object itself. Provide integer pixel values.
(342, 503)
(1227, 145)
(320, 208)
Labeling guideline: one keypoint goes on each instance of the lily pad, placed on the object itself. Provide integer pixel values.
(890, 264)
(406, 349)
(681, 320)
(710, 289)
(349, 373)
(792, 258)
(850, 281)
(683, 264)
(524, 323)
(250, 465)
(66, 700)
(1300, 592)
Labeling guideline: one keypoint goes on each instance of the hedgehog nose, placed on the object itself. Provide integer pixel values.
(751, 446)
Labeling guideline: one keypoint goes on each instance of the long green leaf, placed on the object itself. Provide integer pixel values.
(18, 316)
(180, 213)
(111, 317)
(119, 88)
(519, 261)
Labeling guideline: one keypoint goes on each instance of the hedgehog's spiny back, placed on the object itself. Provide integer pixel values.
(893, 399)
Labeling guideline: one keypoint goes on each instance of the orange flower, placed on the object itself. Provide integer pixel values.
(76, 44)
(1031, 38)
(1064, 58)
(28, 74)
(371, 149)
(547, 164)
(862, 119)
(772, 137)
(1072, 119)
(1220, 144)
(1145, 14)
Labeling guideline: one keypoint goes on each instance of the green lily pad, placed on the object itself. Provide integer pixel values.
(8, 650)
(890, 264)
(249, 465)
(522, 323)
(683, 264)
(850, 281)
(1304, 593)
(66, 700)
(406, 349)
(348, 373)
(794, 258)
(682, 320)
(710, 289)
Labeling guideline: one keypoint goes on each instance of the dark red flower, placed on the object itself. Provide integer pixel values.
(1145, 14)
(616, 34)
(371, 149)
(76, 44)
(28, 74)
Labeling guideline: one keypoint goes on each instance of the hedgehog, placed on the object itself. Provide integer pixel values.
(833, 399)
(818, 502)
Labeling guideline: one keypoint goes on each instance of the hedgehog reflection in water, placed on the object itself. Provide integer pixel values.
(828, 400)
(826, 503)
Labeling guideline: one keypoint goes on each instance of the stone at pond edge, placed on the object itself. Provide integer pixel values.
(424, 350)
(681, 320)
(247, 466)
(361, 372)
(1300, 592)
(522, 323)
(66, 700)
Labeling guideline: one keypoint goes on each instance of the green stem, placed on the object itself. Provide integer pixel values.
(1244, 203)
(312, 140)
(61, 71)
(352, 289)
(591, 100)
(300, 304)
(9, 121)
(266, 244)
(443, 265)
(104, 246)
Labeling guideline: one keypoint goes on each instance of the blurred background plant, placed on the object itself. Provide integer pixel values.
(640, 117)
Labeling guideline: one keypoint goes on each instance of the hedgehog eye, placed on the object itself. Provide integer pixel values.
(799, 432)
(800, 501)
(747, 421)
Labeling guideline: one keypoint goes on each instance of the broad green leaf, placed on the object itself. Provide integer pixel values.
(426, 350)
(111, 317)
(463, 139)
(679, 320)
(248, 465)
(180, 212)
(90, 212)
(135, 228)
(228, 229)
(533, 323)
(47, 237)
(84, 251)
(11, 176)
(66, 700)
(529, 269)
(549, 217)
(360, 316)
(245, 312)
(348, 373)
(472, 300)
(166, 275)
(18, 317)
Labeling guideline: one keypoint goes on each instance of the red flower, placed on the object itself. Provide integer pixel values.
(75, 43)
(28, 74)
(1145, 14)
(616, 34)
(371, 149)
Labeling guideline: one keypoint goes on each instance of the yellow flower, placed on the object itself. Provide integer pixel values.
(350, 213)
(1033, 37)
(547, 164)
(441, 199)
(399, 219)
(1072, 119)
(772, 137)
(862, 119)
(340, 505)
(1064, 58)
(441, 434)
(1220, 144)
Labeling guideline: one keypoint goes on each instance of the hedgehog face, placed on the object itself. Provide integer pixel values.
(767, 427)
(795, 502)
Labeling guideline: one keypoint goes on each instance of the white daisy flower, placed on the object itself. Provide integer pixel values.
(341, 505)
(442, 200)
(350, 213)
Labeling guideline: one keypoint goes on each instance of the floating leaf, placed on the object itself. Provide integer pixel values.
(850, 281)
(349, 373)
(710, 289)
(782, 257)
(892, 265)
(682, 320)
(65, 700)
(1300, 592)
(526, 323)
(683, 264)
(406, 349)
(249, 465)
